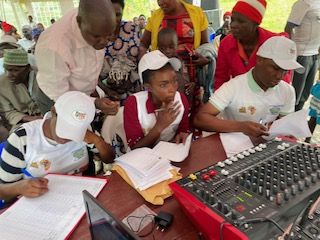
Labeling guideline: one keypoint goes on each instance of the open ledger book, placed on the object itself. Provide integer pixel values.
(146, 167)
(53, 215)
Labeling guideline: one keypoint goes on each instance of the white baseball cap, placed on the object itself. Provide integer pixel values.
(75, 111)
(282, 51)
(155, 60)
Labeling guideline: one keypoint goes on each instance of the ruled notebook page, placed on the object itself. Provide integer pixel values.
(53, 215)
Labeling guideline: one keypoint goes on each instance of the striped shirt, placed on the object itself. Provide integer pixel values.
(12, 158)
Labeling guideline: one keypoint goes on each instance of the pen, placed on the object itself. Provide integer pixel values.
(25, 172)
(160, 110)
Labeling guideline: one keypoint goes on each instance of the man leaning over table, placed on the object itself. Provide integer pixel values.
(256, 97)
(70, 54)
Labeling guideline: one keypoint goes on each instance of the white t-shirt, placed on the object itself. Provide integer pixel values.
(305, 15)
(242, 99)
(25, 43)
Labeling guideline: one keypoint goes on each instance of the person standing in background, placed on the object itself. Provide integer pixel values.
(70, 53)
(303, 26)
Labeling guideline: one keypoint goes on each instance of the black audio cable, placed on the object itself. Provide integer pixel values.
(261, 220)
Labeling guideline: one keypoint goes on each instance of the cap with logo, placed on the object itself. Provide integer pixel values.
(75, 111)
(155, 60)
(282, 51)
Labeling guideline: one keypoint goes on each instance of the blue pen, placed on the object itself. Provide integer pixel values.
(25, 172)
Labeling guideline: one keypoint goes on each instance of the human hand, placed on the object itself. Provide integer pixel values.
(189, 88)
(199, 60)
(181, 137)
(253, 129)
(107, 106)
(32, 187)
(167, 114)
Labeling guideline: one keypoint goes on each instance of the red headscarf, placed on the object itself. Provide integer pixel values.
(6, 27)
(252, 9)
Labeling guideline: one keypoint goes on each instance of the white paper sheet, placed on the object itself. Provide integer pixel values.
(294, 124)
(234, 143)
(172, 151)
(52, 215)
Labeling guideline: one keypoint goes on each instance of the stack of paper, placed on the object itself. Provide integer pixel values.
(144, 168)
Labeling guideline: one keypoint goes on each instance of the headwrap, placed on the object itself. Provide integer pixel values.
(252, 9)
(15, 57)
(6, 27)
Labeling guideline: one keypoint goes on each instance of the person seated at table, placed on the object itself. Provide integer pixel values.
(18, 86)
(55, 144)
(256, 97)
(161, 112)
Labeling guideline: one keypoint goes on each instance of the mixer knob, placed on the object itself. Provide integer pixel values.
(212, 199)
(240, 156)
(225, 209)
(308, 170)
(212, 173)
(295, 177)
(206, 196)
(286, 194)
(289, 181)
(274, 189)
(260, 190)
(307, 181)
(251, 150)
(294, 189)
(224, 172)
(301, 185)
(254, 187)
(282, 185)
(234, 159)
(314, 166)
(267, 193)
(313, 177)
(220, 206)
(302, 174)
(220, 164)
(318, 173)
(258, 149)
(228, 161)
(262, 145)
(235, 215)
(247, 184)
(205, 177)
(245, 153)
(279, 198)
(280, 147)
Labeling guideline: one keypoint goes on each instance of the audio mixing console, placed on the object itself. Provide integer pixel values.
(273, 180)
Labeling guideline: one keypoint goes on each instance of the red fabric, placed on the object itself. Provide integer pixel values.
(6, 27)
(132, 127)
(227, 14)
(183, 26)
(249, 11)
(229, 62)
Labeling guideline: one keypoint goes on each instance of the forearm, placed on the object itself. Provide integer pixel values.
(207, 122)
(150, 139)
(9, 191)
(106, 152)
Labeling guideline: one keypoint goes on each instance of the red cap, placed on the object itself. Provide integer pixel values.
(252, 9)
(227, 14)
(6, 27)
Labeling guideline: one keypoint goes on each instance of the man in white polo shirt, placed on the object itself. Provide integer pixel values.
(256, 96)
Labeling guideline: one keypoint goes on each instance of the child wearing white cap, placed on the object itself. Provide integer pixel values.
(54, 144)
(161, 112)
(256, 97)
